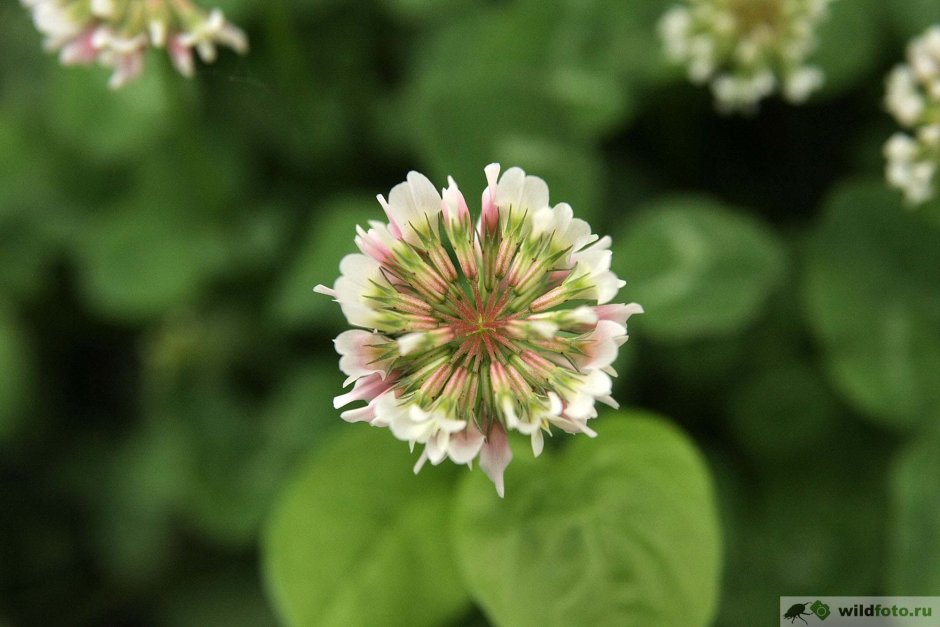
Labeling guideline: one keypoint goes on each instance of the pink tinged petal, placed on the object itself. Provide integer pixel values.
(360, 414)
(392, 224)
(618, 313)
(182, 56)
(366, 389)
(359, 357)
(466, 445)
(370, 243)
(453, 204)
(489, 216)
(495, 457)
(79, 51)
(127, 68)
(603, 343)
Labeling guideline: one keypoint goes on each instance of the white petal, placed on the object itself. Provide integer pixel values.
(521, 192)
(495, 457)
(413, 205)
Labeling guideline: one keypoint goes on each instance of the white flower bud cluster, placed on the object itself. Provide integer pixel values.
(746, 49)
(913, 98)
(117, 33)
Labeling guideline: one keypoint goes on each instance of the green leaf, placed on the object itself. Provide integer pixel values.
(244, 457)
(855, 26)
(912, 17)
(698, 268)
(872, 295)
(330, 237)
(621, 530)
(143, 258)
(913, 568)
(106, 124)
(357, 539)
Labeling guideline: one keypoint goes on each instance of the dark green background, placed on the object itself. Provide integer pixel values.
(164, 365)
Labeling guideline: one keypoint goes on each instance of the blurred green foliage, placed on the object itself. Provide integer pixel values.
(166, 373)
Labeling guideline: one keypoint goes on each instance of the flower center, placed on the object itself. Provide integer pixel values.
(757, 14)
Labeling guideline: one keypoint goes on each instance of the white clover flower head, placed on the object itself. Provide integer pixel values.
(117, 33)
(912, 96)
(746, 50)
(475, 329)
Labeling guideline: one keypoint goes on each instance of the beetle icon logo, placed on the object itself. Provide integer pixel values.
(798, 610)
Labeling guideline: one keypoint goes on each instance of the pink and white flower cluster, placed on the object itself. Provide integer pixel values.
(117, 33)
(474, 329)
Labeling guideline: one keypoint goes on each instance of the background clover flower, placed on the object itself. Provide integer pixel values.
(478, 329)
(117, 33)
(746, 49)
(913, 98)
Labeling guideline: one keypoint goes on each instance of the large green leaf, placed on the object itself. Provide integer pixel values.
(698, 268)
(915, 534)
(357, 539)
(620, 530)
(872, 294)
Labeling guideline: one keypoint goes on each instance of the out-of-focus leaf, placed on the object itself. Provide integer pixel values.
(912, 17)
(872, 295)
(698, 268)
(913, 568)
(105, 124)
(781, 412)
(357, 539)
(142, 259)
(15, 379)
(31, 209)
(512, 104)
(620, 530)
(329, 238)
(244, 457)
(854, 26)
